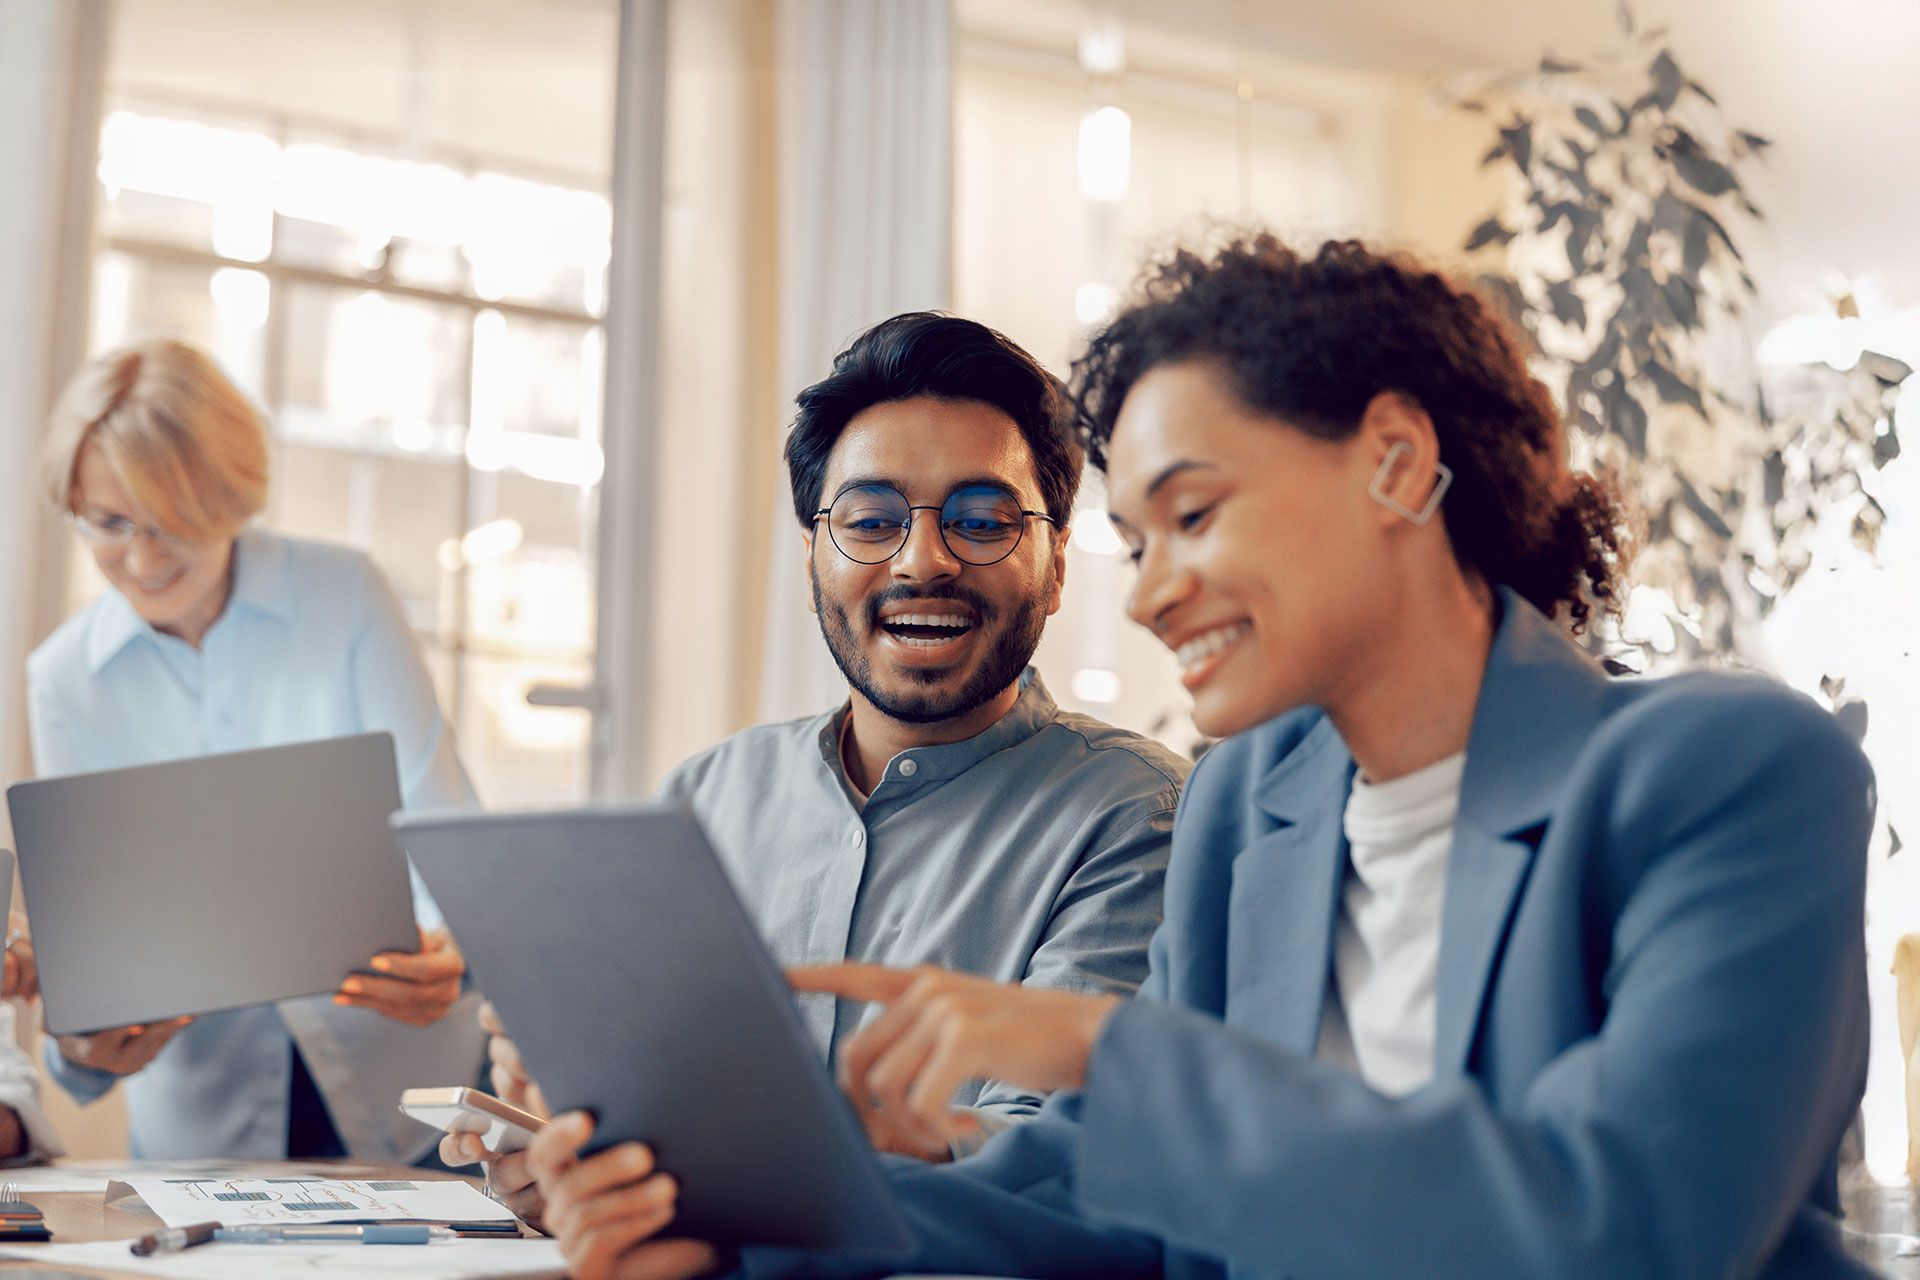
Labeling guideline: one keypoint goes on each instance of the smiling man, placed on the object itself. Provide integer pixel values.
(948, 813)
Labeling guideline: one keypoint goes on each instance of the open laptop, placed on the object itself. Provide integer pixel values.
(636, 987)
(211, 883)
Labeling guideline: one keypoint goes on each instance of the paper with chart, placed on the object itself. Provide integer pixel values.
(181, 1202)
(454, 1260)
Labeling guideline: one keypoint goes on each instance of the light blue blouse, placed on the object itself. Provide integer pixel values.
(312, 644)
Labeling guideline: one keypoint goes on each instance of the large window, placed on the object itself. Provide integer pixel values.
(421, 323)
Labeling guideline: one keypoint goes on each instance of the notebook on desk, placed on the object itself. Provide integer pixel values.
(20, 1221)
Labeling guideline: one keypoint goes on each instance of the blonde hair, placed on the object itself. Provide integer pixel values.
(188, 446)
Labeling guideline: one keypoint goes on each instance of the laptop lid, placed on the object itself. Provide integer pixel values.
(636, 987)
(211, 883)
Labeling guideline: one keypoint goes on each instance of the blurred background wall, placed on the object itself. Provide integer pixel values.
(394, 222)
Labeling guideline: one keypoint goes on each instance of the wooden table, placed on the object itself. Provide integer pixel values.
(85, 1215)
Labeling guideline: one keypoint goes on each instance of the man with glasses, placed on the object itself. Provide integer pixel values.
(949, 813)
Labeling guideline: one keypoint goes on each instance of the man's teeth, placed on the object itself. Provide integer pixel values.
(952, 625)
(1205, 646)
(930, 620)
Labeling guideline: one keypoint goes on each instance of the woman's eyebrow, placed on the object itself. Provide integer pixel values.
(1173, 469)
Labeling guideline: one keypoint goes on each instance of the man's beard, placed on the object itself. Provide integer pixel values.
(1006, 657)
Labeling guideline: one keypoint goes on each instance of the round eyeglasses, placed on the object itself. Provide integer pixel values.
(118, 531)
(980, 524)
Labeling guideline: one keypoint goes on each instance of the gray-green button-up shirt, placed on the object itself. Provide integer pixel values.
(1033, 852)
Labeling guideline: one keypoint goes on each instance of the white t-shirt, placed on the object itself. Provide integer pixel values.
(1378, 1020)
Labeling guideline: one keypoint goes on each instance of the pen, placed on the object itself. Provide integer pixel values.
(174, 1239)
(179, 1238)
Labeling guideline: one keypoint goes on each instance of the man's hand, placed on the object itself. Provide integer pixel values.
(414, 989)
(123, 1050)
(606, 1208)
(508, 1174)
(22, 977)
(511, 1083)
(13, 1134)
(941, 1029)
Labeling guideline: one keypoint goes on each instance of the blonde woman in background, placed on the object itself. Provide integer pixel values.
(215, 636)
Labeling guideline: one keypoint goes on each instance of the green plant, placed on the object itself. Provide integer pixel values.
(1624, 263)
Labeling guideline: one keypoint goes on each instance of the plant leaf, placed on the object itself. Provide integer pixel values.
(1636, 251)
(1518, 138)
(1754, 141)
(1574, 177)
(1700, 507)
(1672, 388)
(1568, 307)
(1581, 225)
(1712, 224)
(1773, 477)
(1670, 213)
(1552, 66)
(1590, 120)
(1499, 150)
(1886, 448)
(1701, 89)
(1628, 420)
(1667, 80)
(1702, 172)
(1489, 232)
(1683, 299)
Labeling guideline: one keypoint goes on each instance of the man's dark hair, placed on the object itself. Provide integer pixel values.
(1311, 340)
(925, 353)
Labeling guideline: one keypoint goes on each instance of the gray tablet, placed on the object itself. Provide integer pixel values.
(636, 987)
(211, 883)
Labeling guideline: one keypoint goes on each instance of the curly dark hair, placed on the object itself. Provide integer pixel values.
(926, 353)
(1312, 340)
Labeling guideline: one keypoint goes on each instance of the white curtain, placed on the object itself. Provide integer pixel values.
(866, 193)
(52, 58)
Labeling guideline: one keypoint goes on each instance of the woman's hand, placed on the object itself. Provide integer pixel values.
(941, 1029)
(508, 1174)
(22, 976)
(414, 989)
(122, 1050)
(605, 1209)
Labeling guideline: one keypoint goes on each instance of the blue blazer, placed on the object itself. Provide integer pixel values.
(1651, 1025)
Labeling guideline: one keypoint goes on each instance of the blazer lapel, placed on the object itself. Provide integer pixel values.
(1286, 895)
(1539, 702)
(1484, 876)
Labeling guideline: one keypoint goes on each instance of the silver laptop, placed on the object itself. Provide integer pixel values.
(636, 987)
(211, 883)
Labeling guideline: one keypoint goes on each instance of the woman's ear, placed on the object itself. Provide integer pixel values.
(1397, 438)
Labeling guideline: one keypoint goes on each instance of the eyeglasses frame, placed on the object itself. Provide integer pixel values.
(94, 536)
(908, 534)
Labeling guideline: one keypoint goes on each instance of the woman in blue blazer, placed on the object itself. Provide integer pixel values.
(1597, 1008)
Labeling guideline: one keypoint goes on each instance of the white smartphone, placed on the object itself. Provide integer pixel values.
(502, 1127)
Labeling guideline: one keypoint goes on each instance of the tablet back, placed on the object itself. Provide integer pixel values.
(211, 883)
(636, 988)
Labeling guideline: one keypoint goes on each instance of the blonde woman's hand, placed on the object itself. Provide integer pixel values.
(120, 1051)
(941, 1029)
(414, 988)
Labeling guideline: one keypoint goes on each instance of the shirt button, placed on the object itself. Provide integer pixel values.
(909, 767)
(857, 839)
